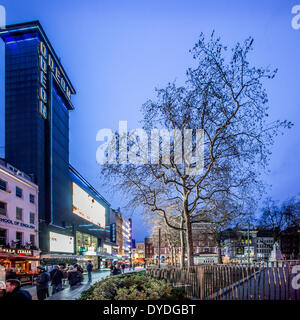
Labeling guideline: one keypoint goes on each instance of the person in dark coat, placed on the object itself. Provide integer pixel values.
(14, 291)
(89, 268)
(123, 267)
(74, 277)
(56, 277)
(42, 283)
(11, 274)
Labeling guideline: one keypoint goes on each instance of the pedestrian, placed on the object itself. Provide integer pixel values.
(133, 266)
(114, 271)
(123, 267)
(42, 283)
(14, 291)
(74, 277)
(11, 274)
(89, 270)
(78, 267)
(111, 268)
(56, 277)
(65, 273)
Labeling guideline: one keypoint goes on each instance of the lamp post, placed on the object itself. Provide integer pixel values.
(159, 247)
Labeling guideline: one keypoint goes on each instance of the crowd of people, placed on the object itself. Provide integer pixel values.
(118, 268)
(57, 277)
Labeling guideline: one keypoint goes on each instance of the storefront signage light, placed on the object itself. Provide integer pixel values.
(20, 252)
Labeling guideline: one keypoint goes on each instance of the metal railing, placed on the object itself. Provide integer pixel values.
(256, 281)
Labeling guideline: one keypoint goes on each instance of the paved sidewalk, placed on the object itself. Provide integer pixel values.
(73, 293)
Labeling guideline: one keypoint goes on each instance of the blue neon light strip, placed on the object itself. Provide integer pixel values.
(49, 47)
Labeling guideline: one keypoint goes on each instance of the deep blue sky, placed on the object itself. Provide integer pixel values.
(117, 52)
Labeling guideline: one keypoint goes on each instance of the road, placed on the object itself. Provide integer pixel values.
(73, 293)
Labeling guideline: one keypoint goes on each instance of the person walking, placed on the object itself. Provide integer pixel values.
(56, 277)
(89, 270)
(123, 267)
(42, 283)
(14, 291)
(65, 274)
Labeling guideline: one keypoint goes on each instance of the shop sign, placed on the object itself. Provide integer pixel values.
(20, 252)
(48, 65)
(16, 223)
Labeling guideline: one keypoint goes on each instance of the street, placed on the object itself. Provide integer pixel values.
(73, 293)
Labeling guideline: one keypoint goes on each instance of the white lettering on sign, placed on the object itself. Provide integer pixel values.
(47, 63)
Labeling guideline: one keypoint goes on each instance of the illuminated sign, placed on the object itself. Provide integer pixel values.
(113, 232)
(47, 64)
(61, 243)
(20, 252)
(86, 207)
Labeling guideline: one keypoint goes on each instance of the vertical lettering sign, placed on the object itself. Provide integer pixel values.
(47, 64)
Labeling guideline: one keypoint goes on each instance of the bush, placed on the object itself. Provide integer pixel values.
(132, 287)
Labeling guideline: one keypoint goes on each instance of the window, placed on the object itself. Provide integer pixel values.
(31, 219)
(31, 198)
(19, 213)
(19, 192)
(3, 237)
(3, 208)
(19, 237)
(32, 239)
(3, 185)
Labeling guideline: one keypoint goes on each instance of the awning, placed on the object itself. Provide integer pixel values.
(59, 256)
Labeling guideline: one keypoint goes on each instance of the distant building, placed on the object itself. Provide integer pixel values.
(138, 253)
(290, 243)
(263, 244)
(236, 245)
(123, 234)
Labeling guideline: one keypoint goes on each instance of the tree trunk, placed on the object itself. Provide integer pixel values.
(189, 236)
(220, 261)
(182, 243)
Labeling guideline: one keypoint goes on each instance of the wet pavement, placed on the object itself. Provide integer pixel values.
(73, 293)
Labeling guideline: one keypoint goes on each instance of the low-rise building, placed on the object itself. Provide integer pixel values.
(19, 241)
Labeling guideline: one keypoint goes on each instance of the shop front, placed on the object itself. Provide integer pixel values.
(22, 261)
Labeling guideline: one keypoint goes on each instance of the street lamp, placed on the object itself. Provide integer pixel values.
(159, 247)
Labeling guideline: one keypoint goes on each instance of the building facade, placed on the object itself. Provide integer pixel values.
(73, 216)
(19, 241)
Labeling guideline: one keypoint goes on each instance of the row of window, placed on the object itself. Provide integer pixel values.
(19, 191)
(19, 213)
(19, 238)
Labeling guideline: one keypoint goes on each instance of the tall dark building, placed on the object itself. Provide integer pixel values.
(74, 217)
(37, 105)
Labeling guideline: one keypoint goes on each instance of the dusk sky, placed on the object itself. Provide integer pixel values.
(117, 52)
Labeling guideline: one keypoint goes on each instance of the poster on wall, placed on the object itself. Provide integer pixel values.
(61, 243)
(86, 207)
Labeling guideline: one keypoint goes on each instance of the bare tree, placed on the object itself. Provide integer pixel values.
(277, 217)
(225, 99)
